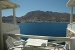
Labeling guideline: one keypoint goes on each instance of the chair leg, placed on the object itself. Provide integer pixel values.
(58, 48)
(54, 48)
(63, 48)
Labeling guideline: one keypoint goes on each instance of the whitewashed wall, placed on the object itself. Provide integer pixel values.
(16, 31)
(71, 30)
(6, 27)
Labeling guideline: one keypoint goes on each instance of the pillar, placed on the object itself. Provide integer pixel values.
(71, 14)
(72, 43)
(1, 34)
(14, 16)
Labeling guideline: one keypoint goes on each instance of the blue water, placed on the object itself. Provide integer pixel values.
(44, 29)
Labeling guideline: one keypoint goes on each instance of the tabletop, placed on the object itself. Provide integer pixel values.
(36, 42)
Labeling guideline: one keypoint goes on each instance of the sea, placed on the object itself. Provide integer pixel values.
(56, 29)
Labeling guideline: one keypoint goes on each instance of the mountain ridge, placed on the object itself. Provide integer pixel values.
(39, 15)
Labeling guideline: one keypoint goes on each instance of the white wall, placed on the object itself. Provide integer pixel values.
(8, 27)
(16, 31)
(71, 27)
(71, 30)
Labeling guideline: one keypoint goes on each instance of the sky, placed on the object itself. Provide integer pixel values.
(32, 5)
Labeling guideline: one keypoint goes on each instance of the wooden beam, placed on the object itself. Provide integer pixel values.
(8, 8)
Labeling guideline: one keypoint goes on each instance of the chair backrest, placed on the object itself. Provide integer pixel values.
(9, 42)
(18, 42)
(16, 38)
(67, 47)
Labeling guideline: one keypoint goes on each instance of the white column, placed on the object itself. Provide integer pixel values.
(71, 15)
(72, 43)
(14, 16)
(1, 34)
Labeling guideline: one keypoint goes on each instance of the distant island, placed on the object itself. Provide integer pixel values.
(40, 16)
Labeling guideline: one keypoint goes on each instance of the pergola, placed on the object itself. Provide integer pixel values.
(6, 4)
(71, 4)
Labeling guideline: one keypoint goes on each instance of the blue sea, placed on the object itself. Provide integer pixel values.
(44, 28)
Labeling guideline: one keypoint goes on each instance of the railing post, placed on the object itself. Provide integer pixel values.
(72, 43)
(14, 16)
(1, 34)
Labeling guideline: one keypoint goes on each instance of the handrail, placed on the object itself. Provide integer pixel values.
(40, 37)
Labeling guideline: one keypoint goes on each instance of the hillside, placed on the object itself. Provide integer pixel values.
(8, 18)
(38, 15)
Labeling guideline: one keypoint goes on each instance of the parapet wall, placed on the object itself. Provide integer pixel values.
(9, 27)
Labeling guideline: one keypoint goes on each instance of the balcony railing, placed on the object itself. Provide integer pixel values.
(71, 27)
(9, 27)
(71, 30)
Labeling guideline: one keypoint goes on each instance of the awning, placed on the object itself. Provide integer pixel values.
(8, 5)
(71, 3)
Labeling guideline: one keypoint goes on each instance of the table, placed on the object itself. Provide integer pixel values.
(36, 42)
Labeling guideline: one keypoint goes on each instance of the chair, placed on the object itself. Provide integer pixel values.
(56, 45)
(13, 44)
(18, 42)
(67, 47)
